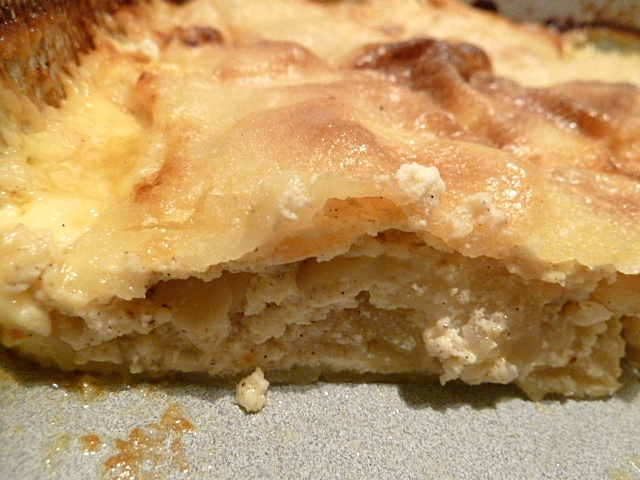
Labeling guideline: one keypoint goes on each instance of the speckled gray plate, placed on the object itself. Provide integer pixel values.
(315, 431)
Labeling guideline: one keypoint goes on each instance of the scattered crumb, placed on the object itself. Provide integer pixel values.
(251, 392)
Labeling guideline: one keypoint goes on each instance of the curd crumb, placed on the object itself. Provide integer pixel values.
(251, 391)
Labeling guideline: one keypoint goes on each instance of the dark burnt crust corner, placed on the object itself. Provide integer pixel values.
(40, 40)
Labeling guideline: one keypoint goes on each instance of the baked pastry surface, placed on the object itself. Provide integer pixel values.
(315, 188)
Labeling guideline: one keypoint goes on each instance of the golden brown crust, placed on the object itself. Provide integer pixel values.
(40, 40)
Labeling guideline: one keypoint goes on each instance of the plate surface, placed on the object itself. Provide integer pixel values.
(54, 427)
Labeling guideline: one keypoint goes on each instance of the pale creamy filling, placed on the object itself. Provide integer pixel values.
(390, 305)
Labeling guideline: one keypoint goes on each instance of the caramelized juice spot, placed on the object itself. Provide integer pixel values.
(58, 446)
(173, 419)
(91, 443)
(89, 387)
(153, 451)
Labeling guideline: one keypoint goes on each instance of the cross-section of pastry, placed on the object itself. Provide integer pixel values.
(391, 190)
